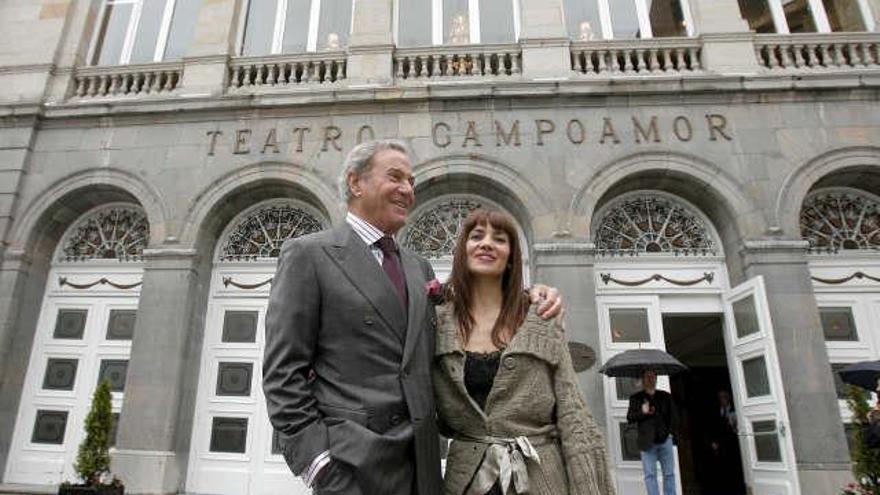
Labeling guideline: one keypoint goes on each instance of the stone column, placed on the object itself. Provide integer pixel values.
(152, 447)
(371, 46)
(213, 42)
(816, 427)
(727, 40)
(570, 268)
(544, 40)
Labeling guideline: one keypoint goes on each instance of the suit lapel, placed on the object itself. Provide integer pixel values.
(415, 287)
(363, 271)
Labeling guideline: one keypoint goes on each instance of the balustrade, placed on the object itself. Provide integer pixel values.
(457, 62)
(639, 57)
(127, 80)
(253, 73)
(809, 52)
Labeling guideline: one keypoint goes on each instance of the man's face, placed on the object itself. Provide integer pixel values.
(384, 193)
(649, 380)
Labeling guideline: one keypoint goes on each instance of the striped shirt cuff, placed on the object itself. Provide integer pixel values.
(318, 463)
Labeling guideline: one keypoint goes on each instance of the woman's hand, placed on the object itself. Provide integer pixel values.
(549, 301)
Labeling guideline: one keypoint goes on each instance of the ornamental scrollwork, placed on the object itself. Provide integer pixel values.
(653, 224)
(261, 233)
(119, 233)
(434, 232)
(840, 220)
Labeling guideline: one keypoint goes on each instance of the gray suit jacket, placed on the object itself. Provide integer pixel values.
(348, 369)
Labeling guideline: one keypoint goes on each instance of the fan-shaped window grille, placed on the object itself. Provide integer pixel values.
(118, 232)
(434, 232)
(261, 233)
(835, 219)
(653, 224)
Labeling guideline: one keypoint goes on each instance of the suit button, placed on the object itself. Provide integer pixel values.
(396, 419)
(509, 362)
(368, 321)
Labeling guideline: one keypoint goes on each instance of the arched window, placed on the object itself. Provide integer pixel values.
(117, 232)
(653, 223)
(292, 26)
(589, 20)
(140, 31)
(841, 219)
(260, 232)
(456, 22)
(433, 232)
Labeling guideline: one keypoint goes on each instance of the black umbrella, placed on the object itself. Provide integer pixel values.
(864, 374)
(634, 362)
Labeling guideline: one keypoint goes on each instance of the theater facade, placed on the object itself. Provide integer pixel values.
(700, 176)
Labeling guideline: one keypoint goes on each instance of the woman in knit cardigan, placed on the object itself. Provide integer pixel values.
(505, 388)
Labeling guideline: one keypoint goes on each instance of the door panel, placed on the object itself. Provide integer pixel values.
(766, 444)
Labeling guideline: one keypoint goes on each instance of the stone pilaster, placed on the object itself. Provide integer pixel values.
(19, 310)
(816, 428)
(544, 40)
(152, 445)
(371, 48)
(874, 5)
(16, 140)
(727, 41)
(569, 266)
(213, 42)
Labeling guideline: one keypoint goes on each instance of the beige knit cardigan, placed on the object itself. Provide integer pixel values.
(535, 393)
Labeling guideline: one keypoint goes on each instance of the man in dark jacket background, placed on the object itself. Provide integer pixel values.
(655, 413)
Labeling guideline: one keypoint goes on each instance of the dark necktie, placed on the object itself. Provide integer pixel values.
(393, 268)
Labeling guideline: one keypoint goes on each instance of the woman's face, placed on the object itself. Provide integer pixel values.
(488, 250)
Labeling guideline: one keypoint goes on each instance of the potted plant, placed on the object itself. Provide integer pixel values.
(93, 460)
(865, 460)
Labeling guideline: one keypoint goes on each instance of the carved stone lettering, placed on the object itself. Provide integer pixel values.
(512, 136)
(242, 142)
(652, 134)
(300, 133)
(365, 129)
(332, 135)
(685, 133)
(575, 131)
(717, 123)
(213, 143)
(471, 135)
(271, 141)
(608, 132)
(543, 126)
(441, 140)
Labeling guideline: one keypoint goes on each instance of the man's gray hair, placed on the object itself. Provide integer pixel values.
(359, 159)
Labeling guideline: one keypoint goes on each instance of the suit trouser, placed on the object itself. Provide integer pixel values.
(665, 454)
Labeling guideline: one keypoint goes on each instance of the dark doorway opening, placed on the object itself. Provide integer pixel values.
(708, 449)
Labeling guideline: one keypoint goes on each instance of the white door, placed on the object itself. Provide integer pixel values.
(765, 440)
(629, 322)
(234, 449)
(83, 336)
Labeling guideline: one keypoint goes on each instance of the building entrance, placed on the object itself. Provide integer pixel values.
(709, 455)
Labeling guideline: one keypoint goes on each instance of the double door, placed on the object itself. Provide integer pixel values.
(636, 321)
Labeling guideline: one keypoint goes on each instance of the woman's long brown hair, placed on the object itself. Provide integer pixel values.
(514, 301)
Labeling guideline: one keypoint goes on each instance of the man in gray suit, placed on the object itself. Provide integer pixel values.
(350, 342)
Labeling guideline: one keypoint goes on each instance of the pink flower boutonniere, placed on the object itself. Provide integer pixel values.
(434, 291)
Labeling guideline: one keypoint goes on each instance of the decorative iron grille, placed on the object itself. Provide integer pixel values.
(653, 224)
(840, 220)
(261, 233)
(434, 232)
(119, 233)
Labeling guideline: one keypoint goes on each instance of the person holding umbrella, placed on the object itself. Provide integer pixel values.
(657, 418)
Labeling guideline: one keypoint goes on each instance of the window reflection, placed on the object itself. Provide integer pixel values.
(111, 33)
(582, 19)
(667, 18)
(496, 21)
(335, 24)
(799, 16)
(414, 23)
(456, 24)
(757, 14)
(259, 27)
(624, 19)
(844, 15)
(296, 26)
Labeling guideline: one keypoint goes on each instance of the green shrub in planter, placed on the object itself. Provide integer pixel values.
(93, 459)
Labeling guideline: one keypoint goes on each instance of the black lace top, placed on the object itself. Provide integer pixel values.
(479, 374)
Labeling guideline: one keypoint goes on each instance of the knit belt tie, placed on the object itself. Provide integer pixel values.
(505, 463)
